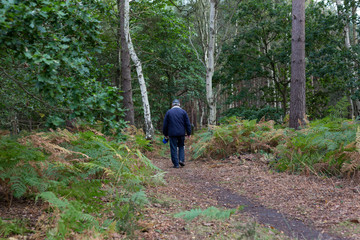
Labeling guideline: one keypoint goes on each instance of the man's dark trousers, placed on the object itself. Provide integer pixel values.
(177, 154)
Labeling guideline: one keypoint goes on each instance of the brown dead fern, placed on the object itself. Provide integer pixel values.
(352, 167)
(49, 143)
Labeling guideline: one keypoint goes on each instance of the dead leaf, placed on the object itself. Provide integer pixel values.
(354, 220)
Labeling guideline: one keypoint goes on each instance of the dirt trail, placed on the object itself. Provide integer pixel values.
(299, 206)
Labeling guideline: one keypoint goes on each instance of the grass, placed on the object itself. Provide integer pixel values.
(237, 226)
(347, 229)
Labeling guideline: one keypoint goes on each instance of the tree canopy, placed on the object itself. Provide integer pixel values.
(59, 60)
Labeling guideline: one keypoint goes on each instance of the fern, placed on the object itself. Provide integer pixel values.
(354, 165)
(321, 148)
(19, 168)
(71, 217)
(340, 110)
(87, 168)
(235, 137)
(13, 227)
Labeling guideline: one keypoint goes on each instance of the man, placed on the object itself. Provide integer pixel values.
(176, 123)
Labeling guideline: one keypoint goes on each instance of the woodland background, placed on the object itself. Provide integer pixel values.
(61, 61)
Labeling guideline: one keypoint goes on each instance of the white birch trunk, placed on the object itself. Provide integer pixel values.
(210, 64)
(149, 129)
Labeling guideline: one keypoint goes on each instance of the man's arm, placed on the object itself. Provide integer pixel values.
(187, 124)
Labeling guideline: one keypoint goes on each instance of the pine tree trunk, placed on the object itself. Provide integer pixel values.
(297, 91)
(126, 68)
(149, 129)
(210, 64)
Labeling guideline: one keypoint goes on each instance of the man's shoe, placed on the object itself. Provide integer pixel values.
(182, 164)
(175, 166)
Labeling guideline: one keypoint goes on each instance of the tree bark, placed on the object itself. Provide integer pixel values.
(126, 68)
(297, 91)
(210, 63)
(149, 129)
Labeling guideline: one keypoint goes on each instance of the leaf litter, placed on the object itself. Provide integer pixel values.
(330, 207)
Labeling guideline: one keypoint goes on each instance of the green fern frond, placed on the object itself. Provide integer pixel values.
(139, 198)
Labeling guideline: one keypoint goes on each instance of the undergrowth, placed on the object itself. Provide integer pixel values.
(237, 136)
(13, 227)
(329, 146)
(92, 184)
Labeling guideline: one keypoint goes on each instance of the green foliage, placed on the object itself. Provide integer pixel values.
(236, 136)
(327, 146)
(321, 148)
(88, 193)
(267, 113)
(19, 168)
(340, 110)
(13, 227)
(89, 181)
(127, 210)
(171, 64)
(72, 216)
(49, 70)
(211, 213)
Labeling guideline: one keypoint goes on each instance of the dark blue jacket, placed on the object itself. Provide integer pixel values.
(176, 122)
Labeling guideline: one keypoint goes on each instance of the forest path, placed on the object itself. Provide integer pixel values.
(300, 207)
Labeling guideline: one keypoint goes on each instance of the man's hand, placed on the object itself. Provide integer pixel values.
(188, 137)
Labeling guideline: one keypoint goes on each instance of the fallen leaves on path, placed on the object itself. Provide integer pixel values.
(329, 204)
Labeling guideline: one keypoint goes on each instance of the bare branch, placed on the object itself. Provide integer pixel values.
(197, 54)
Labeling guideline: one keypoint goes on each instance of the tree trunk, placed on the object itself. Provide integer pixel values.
(297, 91)
(126, 68)
(149, 129)
(210, 64)
(342, 13)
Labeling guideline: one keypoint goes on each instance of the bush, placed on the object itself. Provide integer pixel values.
(266, 113)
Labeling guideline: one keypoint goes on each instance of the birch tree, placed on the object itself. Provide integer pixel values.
(210, 63)
(297, 91)
(207, 25)
(149, 129)
(345, 18)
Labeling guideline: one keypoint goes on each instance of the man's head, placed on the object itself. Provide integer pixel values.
(176, 102)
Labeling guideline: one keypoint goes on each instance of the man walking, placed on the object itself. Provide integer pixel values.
(176, 123)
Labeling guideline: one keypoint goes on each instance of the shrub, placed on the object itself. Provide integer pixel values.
(267, 113)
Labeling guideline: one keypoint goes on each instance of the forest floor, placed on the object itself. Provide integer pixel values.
(276, 205)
